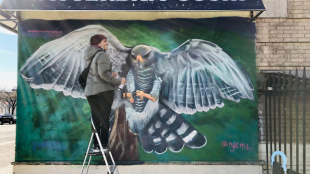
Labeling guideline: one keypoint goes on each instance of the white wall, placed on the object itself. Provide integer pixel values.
(142, 169)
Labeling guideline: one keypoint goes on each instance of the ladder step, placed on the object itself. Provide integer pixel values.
(106, 152)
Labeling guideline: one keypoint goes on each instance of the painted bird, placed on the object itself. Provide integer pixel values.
(161, 86)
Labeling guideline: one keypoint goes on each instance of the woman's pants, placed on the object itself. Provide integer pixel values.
(100, 106)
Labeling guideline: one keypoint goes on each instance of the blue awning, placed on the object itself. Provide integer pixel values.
(134, 5)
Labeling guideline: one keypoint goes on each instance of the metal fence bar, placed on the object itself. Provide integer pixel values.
(304, 85)
(274, 113)
(266, 124)
(270, 88)
(296, 85)
(279, 110)
(284, 108)
(290, 86)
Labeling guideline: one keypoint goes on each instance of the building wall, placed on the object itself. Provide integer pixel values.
(3, 108)
(283, 44)
(298, 9)
(142, 169)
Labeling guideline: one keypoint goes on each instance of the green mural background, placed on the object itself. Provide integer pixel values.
(54, 127)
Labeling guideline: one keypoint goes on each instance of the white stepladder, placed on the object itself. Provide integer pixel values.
(103, 152)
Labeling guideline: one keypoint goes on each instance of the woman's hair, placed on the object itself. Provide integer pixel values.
(96, 39)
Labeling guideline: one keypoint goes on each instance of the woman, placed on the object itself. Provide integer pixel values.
(100, 86)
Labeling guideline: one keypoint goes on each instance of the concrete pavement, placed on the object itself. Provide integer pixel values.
(7, 148)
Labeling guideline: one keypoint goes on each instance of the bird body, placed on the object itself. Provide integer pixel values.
(144, 79)
(141, 111)
(158, 127)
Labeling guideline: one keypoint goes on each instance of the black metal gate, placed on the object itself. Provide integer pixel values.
(287, 113)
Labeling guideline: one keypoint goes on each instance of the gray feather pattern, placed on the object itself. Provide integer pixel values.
(204, 76)
(58, 63)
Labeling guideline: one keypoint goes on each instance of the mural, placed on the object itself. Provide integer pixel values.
(153, 116)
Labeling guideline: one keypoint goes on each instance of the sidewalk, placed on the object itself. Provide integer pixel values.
(7, 148)
(6, 170)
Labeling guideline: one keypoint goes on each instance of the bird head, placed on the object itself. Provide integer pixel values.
(142, 56)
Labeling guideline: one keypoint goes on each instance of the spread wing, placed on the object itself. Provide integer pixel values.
(205, 75)
(58, 63)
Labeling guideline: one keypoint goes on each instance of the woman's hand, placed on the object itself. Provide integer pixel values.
(123, 81)
(114, 74)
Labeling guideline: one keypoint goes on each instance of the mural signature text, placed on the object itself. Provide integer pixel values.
(233, 146)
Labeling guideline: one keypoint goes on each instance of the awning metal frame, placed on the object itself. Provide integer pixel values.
(252, 17)
(9, 28)
(14, 19)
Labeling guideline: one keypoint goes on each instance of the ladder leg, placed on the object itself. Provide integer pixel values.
(91, 138)
(111, 157)
(114, 169)
(100, 145)
(103, 155)
(88, 164)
